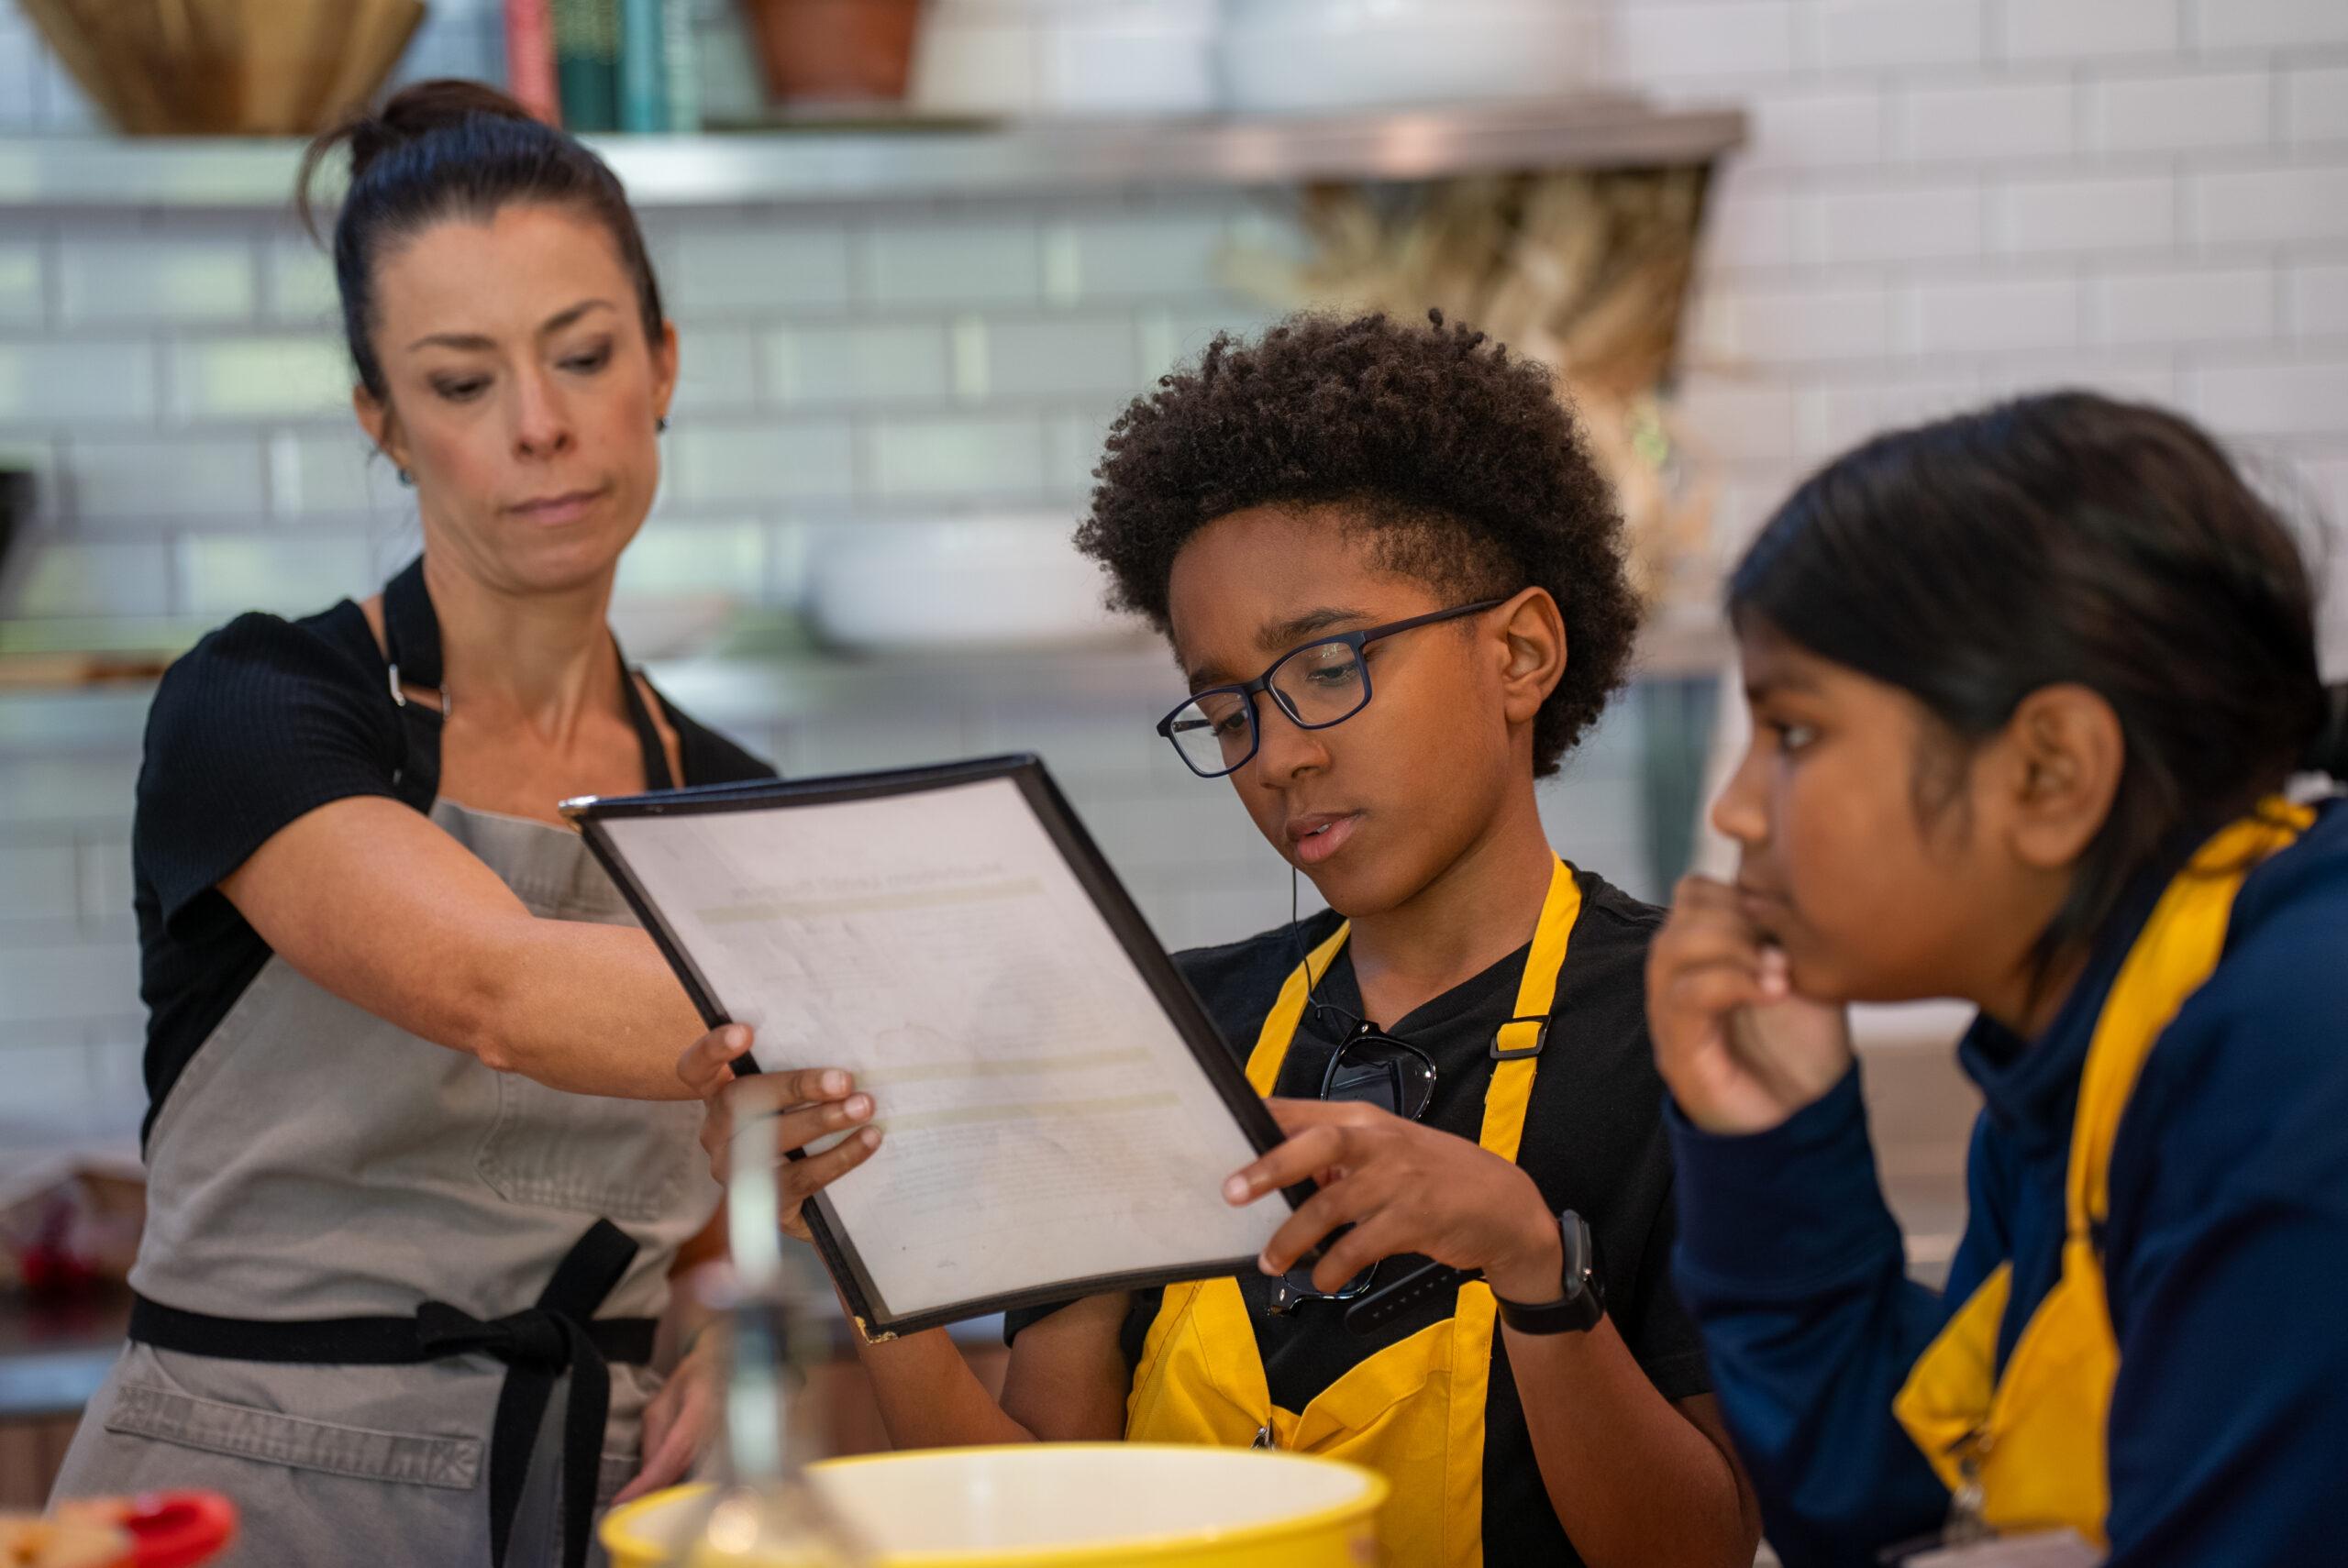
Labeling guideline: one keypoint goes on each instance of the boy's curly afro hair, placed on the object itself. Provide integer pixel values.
(1460, 460)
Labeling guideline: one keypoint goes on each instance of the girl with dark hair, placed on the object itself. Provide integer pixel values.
(401, 1183)
(2028, 687)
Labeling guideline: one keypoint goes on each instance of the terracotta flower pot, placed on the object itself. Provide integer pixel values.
(835, 50)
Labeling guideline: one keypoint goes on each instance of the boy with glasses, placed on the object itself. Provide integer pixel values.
(1394, 581)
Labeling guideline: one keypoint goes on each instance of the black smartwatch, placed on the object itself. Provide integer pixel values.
(1584, 1302)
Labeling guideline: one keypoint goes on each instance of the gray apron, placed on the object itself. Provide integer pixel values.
(381, 1287)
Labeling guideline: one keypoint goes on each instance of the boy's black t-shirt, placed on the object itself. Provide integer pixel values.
(1593, 1142)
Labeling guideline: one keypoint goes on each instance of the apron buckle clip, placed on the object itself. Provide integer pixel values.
(1520, 1053)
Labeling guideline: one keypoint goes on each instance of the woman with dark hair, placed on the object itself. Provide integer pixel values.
(400, 1179)
(2027, 687)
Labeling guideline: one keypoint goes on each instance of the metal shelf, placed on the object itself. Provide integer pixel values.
(47, 702)
(836, 163)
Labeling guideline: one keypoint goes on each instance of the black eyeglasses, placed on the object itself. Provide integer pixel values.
(1324, 682)
(1371, 1067)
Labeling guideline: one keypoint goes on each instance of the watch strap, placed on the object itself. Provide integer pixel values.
(1584, 1301)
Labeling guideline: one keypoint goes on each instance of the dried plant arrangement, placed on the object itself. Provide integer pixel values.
(1584, 271)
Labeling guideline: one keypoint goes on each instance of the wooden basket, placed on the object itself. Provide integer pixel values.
(227, 67)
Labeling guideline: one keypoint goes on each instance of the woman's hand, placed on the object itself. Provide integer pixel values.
(807, 1104)
(1404, 1188)
(1739, 1049)
(679, 1421)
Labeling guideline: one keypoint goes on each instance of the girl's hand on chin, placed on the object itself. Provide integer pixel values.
(1740, 1051)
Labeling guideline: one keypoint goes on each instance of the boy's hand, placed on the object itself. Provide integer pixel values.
(1404, 1188)
(1738, 1048)
(808, 1104)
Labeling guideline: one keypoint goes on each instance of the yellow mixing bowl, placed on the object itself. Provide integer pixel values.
(1072, 1505)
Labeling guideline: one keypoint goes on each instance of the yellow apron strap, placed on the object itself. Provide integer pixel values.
(2027, 1449)
(2180, 946)
(1508, 1096)
(1278, 1033)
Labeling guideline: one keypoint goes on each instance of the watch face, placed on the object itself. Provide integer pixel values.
(1581, 1249)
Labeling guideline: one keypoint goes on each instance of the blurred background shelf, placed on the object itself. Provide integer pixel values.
(761, 666)
(830, 161)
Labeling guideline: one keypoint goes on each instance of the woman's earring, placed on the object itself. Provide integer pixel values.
(406, 479)
(661, 425)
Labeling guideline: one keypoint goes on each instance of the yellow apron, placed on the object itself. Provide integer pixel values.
(2025, 1449)
(1414, 1411)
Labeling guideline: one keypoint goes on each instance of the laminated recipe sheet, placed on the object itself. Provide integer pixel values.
(1059, 1111)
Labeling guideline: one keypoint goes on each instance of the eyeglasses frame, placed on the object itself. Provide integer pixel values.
(1247, 692)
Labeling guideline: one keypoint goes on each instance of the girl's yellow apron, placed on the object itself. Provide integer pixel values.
(2024, 1450)
(1414, 1411)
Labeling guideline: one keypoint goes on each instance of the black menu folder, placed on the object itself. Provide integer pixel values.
(1058, 1112)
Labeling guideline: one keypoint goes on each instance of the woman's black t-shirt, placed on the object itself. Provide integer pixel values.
(264, 720)
(1593, 1143)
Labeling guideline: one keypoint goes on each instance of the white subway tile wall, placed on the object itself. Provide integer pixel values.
(93, 578)
(978, 259)
(830, 366)
(43, 887)
(2302, 204)
(2174, 305)
(2318, 306)
(990, 458)
(1971, 123)
(298, 280)
(1707, 39)
(193, 480)
(769, 459)
(2267, 24)
(20, 282)
(1849, 36)
(2170, 113)
(1807, 128)
(1990, 315)
(133, 276)
(93, 382)
(1945, 201)
(2087, 214)
(2318, 97)
(327, 475)
(718, 373)
(2088, 30)
(245, 378)
(755, 270)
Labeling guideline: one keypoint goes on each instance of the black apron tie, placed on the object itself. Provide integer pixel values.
(537, 1346)
(531, 1338)
(560, 1333)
